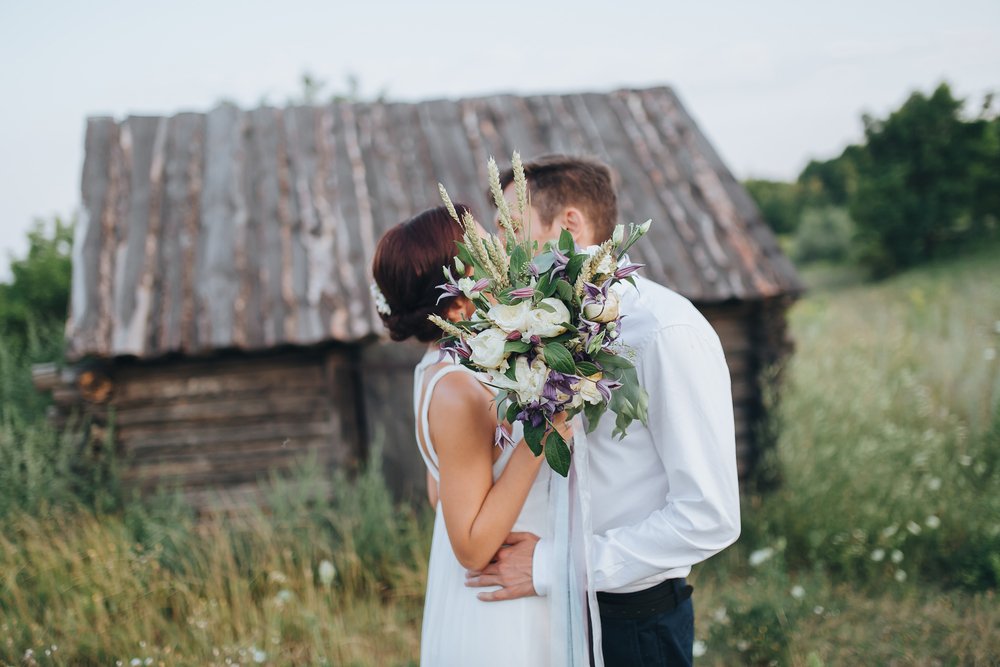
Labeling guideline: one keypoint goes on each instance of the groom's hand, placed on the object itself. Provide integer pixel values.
(510, 569)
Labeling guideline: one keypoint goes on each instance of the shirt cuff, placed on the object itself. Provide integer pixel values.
(541, 567)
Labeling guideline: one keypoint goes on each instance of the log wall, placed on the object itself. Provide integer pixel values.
(215, 425)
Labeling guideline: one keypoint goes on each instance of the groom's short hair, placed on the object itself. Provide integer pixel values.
(558, 181)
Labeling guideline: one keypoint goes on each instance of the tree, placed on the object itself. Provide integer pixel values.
(919, 177)
(38, 293)
(778, 203)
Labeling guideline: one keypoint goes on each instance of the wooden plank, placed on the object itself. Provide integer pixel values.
(137, 437)
(224, 453)
(258, 405)
(84, 312)
(220, 218)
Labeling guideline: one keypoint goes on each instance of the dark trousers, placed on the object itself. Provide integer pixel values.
(663, 638)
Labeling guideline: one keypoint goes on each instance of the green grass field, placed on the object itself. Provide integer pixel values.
(881, 546)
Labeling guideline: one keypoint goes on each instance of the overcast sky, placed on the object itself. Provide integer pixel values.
(773, 83)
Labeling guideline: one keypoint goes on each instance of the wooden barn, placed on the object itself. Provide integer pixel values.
(220, 319)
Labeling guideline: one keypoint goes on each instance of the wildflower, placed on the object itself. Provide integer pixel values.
(135, 662)
(502, 438)
(889, 531)
(818, 610)
(742, 645)
(965, 460)
(327, 572)
(878, 555)
(277, 577)
(934, 483)
(720, 615)
(900, 576)
(619, 236)
(699, 648)
(760, 556)
(259, 656)
(798, 592)
(897, 556)
(914, 528)
(932, 522)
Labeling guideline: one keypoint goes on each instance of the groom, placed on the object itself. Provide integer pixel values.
(663, 498)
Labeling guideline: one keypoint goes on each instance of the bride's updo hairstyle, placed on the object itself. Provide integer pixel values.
(407, 270)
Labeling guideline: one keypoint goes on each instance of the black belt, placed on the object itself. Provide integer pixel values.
(664, 596)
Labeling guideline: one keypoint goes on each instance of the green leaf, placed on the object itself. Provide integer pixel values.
(512, 410)
(544, 261)
(518, 260)
(533, 436)
(610, 361)
(574, 266)
(510, 374)
(586, 369)
(559, 359)
(565, 291)
(557, 453)
(595, 344)
(516, 346)
(546, 307)
(593, 413)
(566, 243)
(545, 286)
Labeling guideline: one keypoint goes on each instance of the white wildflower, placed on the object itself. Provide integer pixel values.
(135, 662)
(897, 556)
(720, 615)
(277, 577)
(760, 556)
(932, 522)
(889, 531)
(818, 610)
(878, 555)
(742, 645)
(965, 460)
(798, 592)
(698, 649)
(327, 571)
(259, 656)
(913, 527)
(934, 483)
(900, 576)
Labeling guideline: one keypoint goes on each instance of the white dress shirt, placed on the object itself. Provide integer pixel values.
(664, 497)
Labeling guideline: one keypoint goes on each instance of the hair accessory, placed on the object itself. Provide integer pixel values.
(381, 305)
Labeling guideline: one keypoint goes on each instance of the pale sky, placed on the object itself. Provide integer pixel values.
(773, 83)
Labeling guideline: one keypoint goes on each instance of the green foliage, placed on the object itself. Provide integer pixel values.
(38, 294)
(922, 177)
(779, 203)
(823, 234)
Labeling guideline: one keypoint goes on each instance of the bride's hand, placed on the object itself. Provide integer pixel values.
(563, 426)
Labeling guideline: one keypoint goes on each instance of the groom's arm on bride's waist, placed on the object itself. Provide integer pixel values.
(684, 369)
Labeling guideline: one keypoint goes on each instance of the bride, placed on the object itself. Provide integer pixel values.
(481, 493)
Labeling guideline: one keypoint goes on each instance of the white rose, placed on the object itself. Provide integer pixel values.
(545, 324)
(603, 312)
(528, 382)
(587, 390)
(510, 318)
(487, 348)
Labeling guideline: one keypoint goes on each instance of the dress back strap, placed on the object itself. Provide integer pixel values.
(421, 409)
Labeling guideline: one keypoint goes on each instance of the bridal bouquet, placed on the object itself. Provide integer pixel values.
(545, 330)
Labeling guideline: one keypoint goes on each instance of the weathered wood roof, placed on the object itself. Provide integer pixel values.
(252, 229)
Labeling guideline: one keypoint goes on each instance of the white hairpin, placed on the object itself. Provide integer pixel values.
(381, 305)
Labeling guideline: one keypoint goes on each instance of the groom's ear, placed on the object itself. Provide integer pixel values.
(572, 220)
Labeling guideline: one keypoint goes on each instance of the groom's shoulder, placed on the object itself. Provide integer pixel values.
(656, 306)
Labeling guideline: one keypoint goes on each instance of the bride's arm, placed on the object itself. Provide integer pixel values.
(478, 513)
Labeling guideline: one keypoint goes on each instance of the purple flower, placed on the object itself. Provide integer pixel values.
(523, 292)
(626, 271)
(449, 289)
(532, 269)
(606, 386)
(502, 438)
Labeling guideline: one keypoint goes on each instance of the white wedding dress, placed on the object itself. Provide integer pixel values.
(459, 630)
